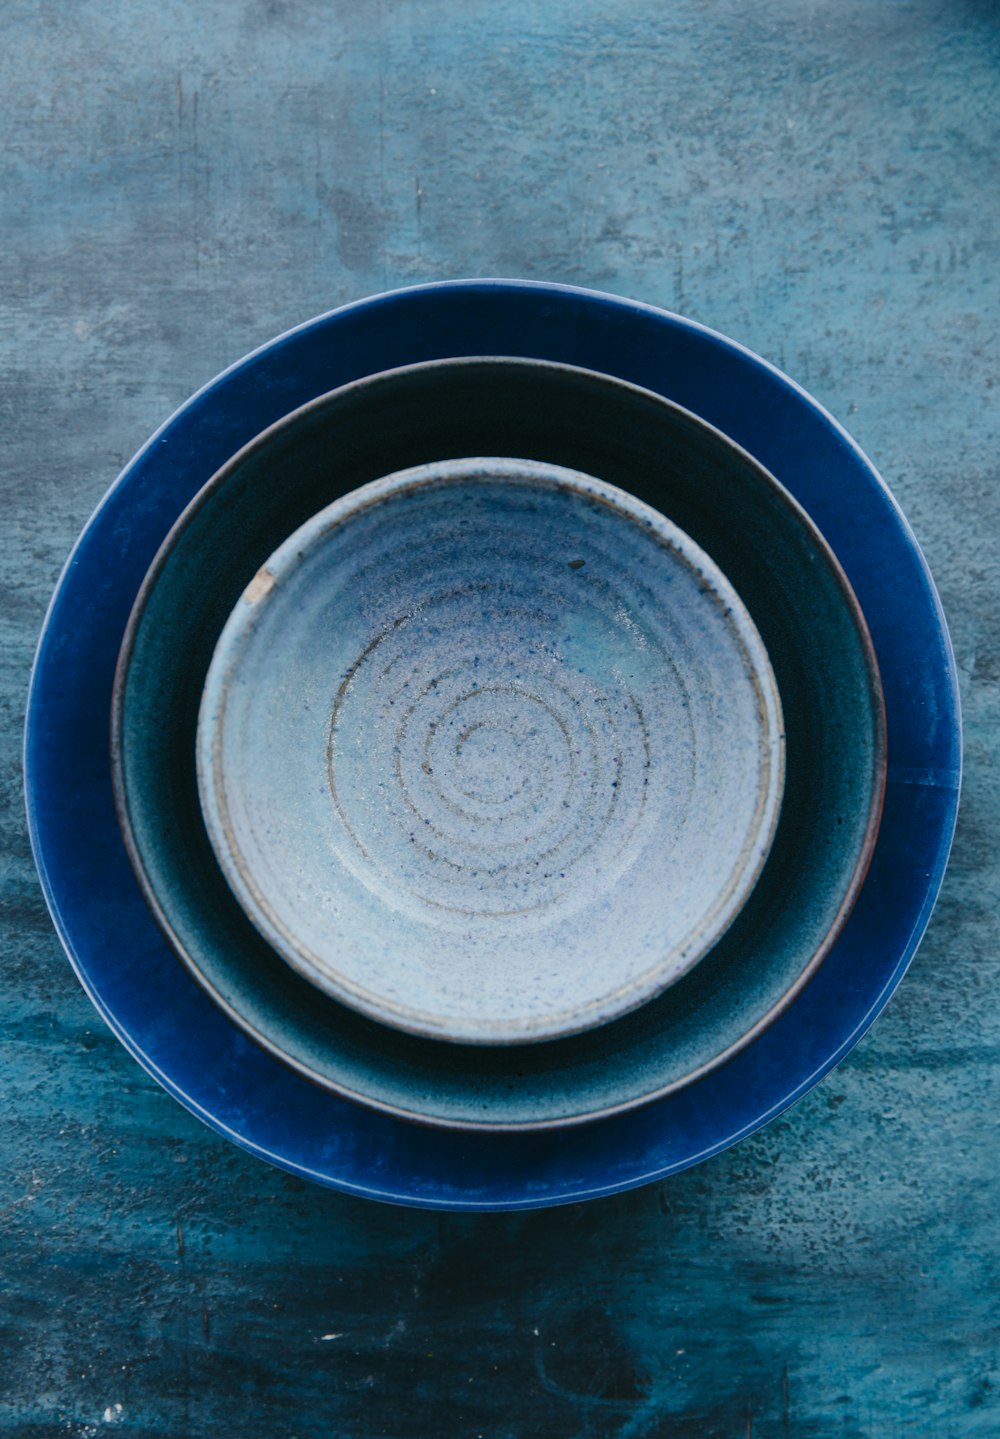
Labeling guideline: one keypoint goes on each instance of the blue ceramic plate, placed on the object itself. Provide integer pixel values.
(490, 751)
(173, 1028)
(760, 538)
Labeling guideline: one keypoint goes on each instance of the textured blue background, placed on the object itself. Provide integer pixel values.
(817, 180)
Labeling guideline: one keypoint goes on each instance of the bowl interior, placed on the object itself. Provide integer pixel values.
(491, 751)
(793, 589)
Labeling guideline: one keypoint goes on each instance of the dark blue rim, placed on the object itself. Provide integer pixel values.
(172, 1028)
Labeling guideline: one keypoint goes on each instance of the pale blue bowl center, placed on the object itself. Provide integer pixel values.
(490, 751)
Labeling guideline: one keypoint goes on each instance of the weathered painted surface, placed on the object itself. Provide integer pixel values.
(819, 180)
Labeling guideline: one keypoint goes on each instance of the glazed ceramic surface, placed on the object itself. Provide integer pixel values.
(171, 1026)
(490, 751)
(728, 504)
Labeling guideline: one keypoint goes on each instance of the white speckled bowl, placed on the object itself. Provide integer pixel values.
(490, 751)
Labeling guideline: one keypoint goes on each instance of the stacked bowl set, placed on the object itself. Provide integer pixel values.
(534, 747)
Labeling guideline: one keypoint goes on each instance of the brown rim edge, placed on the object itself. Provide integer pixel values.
(120, 793)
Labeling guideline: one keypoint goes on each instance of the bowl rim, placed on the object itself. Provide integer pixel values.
(877, 789)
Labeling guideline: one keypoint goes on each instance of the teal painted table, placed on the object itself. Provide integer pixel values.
(819, 181)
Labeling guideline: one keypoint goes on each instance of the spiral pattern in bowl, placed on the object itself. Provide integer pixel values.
(491, 751)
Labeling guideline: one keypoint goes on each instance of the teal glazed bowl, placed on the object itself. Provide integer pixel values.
(491, 751)
(794, 591)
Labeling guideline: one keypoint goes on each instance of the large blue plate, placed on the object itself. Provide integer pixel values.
(166, 1020)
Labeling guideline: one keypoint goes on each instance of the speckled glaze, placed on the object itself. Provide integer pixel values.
(490, 751)
(728, 504)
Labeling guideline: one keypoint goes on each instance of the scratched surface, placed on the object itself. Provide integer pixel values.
(181, 181)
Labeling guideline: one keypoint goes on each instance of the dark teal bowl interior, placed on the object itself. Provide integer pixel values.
(807, 616)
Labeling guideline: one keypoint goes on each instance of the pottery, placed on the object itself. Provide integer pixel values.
(192, 1047)
(490, 751)
(801, 605)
